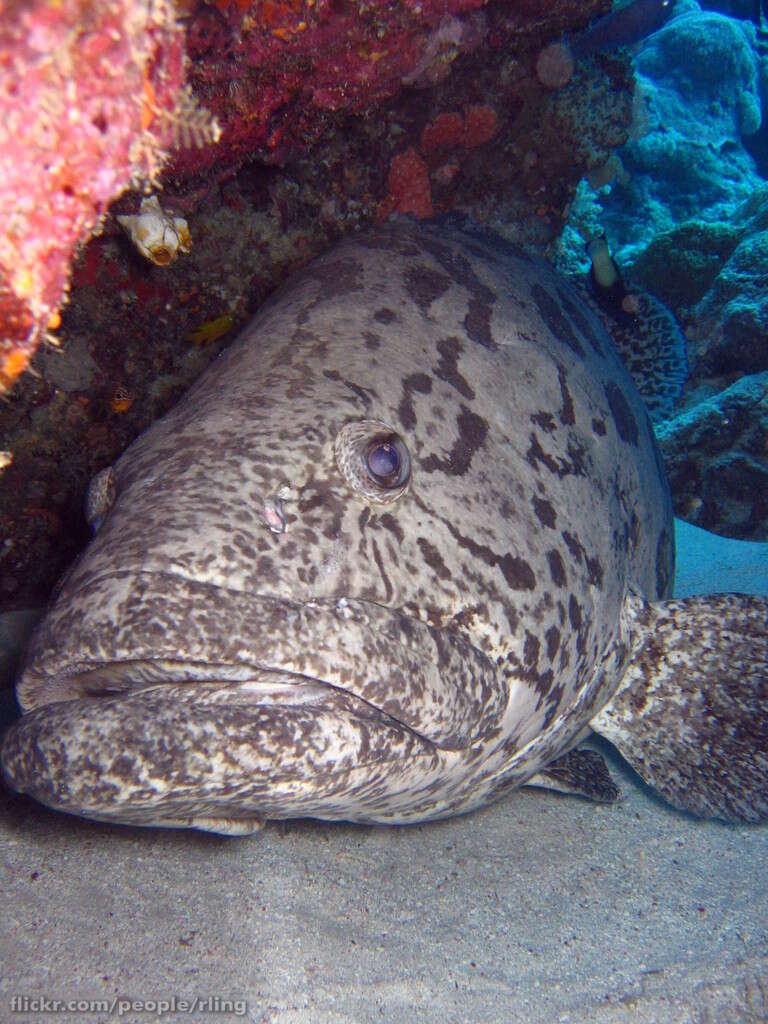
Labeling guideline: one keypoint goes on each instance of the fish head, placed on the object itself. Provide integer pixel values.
(309, 594)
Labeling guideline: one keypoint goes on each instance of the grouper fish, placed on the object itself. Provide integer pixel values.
(398, 552)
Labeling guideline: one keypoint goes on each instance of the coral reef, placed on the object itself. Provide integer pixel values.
(729, 324)
(277, 73)
(680, 265)
(115, 89)
(699, 70)
(82, 89)
(687, 219)
(716, 454)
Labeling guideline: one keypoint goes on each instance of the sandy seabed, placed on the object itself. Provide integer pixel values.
(541, 909)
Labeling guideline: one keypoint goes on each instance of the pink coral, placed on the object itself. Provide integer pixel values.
(81, 85)
(409, 190)
(480, 125)
(446, 130)
(477, 125)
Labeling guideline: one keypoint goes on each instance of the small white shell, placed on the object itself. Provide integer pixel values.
(158, 236)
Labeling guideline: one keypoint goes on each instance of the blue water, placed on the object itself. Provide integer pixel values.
(683, 206)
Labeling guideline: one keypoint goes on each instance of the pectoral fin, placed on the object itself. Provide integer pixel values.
(691, 714)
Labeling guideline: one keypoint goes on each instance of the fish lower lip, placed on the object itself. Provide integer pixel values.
(216, 750)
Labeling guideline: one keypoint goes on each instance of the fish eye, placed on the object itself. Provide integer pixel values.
(374, 460)
(386, 461)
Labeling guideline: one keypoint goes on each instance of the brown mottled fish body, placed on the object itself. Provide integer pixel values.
(263, 629)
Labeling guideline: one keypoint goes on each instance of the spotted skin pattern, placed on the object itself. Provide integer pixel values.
(376, 661)
(653, 349)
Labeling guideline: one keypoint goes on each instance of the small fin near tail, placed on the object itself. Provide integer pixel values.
(691, 713)
(579, 773)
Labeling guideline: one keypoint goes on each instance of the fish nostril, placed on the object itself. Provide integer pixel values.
(273, 514)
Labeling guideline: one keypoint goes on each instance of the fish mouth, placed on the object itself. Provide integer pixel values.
(222, 753)
(336, 709)
(167, 629)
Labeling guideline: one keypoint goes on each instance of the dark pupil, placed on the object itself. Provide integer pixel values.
(383, 460)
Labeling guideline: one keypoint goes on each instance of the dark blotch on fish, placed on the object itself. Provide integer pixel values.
(626, 424)
(581, 321)
(434, 559)
(420, 383)
(448, 367)
(425, 285)
(553, 316)
(556, 568)
(473, 430)
(545, 513)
